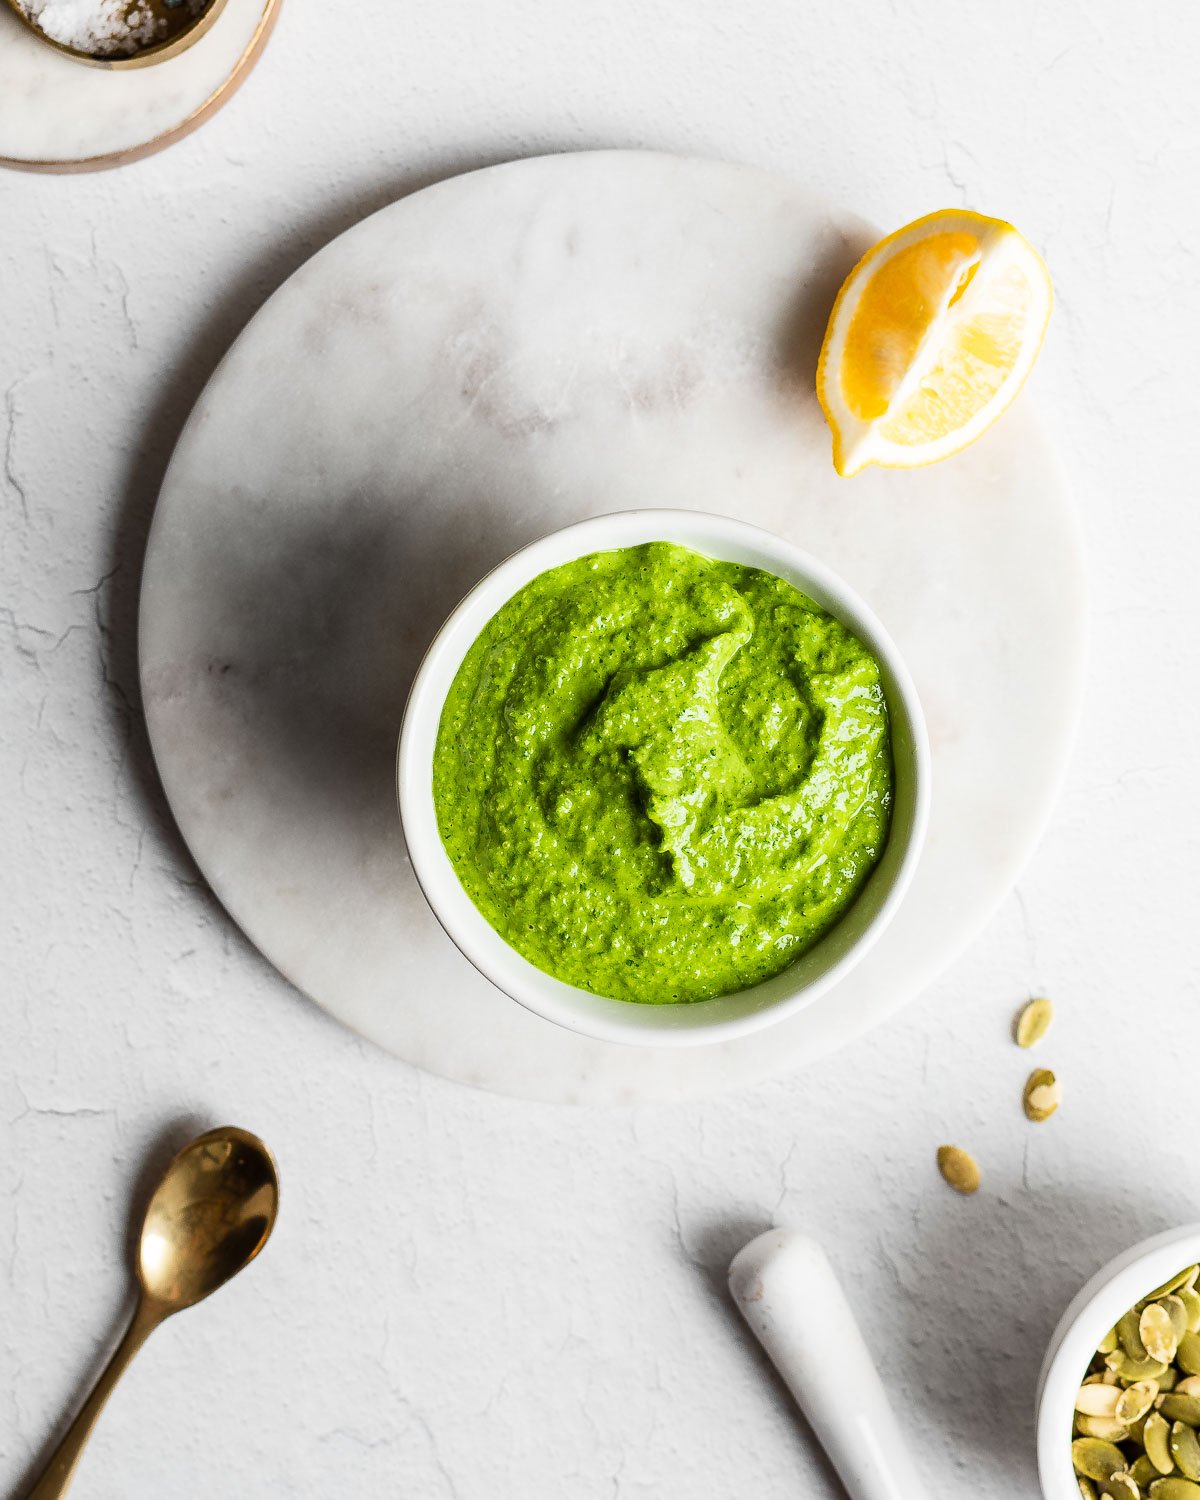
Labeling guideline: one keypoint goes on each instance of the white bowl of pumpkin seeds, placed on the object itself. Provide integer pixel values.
(1119, 1398)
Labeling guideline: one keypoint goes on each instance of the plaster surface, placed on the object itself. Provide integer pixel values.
(475, 1296)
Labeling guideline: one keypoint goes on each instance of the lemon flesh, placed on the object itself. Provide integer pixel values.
(930, 339)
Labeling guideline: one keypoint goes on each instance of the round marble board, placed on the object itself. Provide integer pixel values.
(476, 365)
(60, 115)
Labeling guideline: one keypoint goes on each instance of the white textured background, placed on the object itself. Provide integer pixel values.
(467, 1296)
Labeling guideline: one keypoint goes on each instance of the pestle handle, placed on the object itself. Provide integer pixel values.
(787, 1291)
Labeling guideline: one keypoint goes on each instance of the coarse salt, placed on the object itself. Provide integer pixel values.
(104, 28)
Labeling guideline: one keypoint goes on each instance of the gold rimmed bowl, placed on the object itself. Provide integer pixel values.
(180, 30)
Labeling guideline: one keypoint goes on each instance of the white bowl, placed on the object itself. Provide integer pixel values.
(1111, 1292)
(617, 1020)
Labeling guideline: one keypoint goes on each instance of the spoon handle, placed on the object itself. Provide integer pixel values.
(787, 1291)
(59, 1471)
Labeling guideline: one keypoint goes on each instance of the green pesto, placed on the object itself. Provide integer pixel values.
(661, 777)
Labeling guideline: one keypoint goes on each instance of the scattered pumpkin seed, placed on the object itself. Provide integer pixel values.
(1135, 1402)
(1157, 1332)
(1188, 1386)
(1190, 1298)
(1096, 1459)
(1043, 1095)
(1143, 1472)
(1121, 1486)
(1157, 1437)
(1168, 1381)
(1174, 1489)
(1034, 1022)
(959, 1168)
(1185, 1450)
(1087, 1490)
(1109, 1342)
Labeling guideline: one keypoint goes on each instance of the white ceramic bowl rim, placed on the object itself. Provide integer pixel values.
(707, 1020)
(1112, 1291)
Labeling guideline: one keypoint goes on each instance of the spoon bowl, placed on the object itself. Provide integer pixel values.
(209, 1216)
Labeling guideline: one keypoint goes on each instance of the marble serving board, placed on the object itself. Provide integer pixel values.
(59, 114)
(473, 366)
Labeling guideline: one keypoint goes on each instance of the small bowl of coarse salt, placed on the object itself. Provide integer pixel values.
(118, 33)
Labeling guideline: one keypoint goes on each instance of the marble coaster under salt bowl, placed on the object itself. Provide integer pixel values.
(60, 115)
(476, 365)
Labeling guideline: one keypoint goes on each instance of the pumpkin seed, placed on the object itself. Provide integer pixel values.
(1142, 1391)
(1182, 1409)
(1101, 1400)
(1043, 1095)
(1134, 1403)
(1129, 1336)
(1143, 1472)
(1185, 1450)
(959, 1169)
(1096, 1459)
(1185, 1278)
(1173, 1305)
(1034, 1022)
(1158, 1333)
(1133, 1370)
(1087, 1490)
(1107, 1428)
(1157, 1438)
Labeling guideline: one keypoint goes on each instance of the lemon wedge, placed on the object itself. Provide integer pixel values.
(931, 337)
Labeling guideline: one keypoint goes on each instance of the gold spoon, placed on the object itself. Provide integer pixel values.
(210, 1215)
